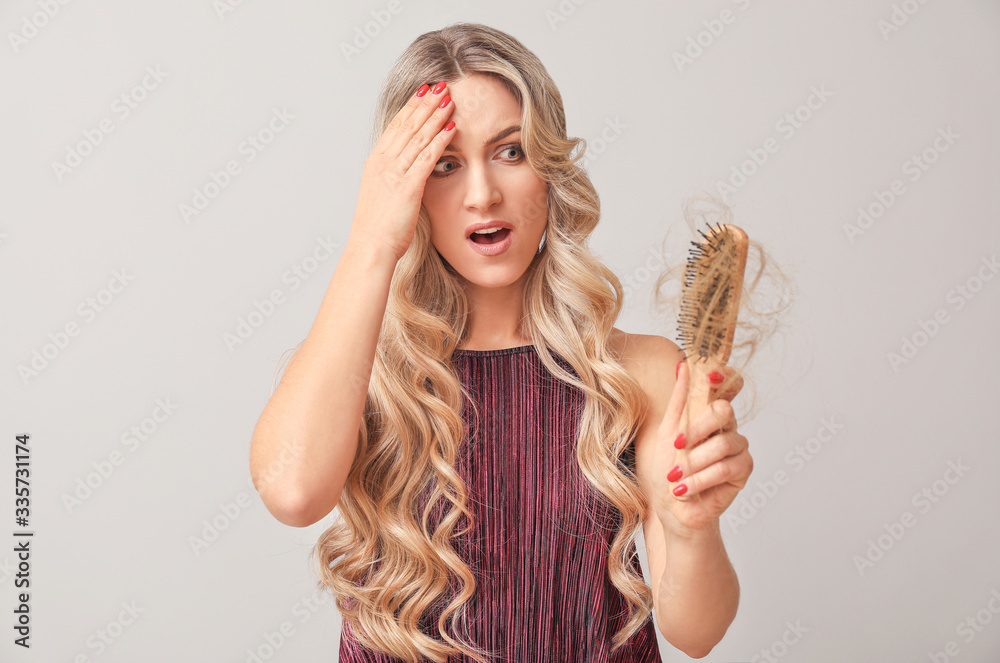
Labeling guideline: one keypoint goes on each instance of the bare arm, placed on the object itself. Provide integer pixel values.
(306, 438)
(699, 593)
(695, 588)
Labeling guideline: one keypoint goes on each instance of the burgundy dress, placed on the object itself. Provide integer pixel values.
(540, 560)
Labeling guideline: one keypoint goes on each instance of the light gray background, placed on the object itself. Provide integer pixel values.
(680, 130)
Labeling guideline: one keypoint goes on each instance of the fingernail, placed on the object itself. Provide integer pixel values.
(716, 377)
(444, 101)
(675, 474)
(449, 126)
(440, 86)
(680, 442)
(677, 372)
(680, 490)
(423, 90)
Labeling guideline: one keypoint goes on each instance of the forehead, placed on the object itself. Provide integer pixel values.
(483, 107)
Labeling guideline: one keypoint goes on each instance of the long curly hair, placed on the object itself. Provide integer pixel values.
(385, 567)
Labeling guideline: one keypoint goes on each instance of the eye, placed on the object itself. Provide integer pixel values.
(442, 162)
(516, 147)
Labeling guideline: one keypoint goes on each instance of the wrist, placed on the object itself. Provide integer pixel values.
(710, 531)
(373, 248)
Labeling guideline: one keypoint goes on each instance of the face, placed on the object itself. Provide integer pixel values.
(481, 178)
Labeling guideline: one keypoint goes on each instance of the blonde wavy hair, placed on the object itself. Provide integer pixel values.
(385, 567)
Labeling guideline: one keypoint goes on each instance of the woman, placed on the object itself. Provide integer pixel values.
(492, 441)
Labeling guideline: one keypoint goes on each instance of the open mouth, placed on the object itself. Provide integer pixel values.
(490, 237)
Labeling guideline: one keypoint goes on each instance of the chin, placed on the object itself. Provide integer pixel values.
(491, 277)
(491, 273)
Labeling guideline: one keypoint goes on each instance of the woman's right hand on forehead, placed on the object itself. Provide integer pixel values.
(392, 185)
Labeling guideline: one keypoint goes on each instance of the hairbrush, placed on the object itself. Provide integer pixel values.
(710, 299)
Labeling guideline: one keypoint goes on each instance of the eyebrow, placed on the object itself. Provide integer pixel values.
(500, 135)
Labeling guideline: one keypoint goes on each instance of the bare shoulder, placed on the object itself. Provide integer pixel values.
(649, 358)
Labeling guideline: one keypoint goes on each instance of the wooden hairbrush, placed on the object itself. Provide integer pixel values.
(710, 299)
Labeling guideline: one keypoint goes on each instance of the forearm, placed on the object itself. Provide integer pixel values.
(699, 591)
(319, 402)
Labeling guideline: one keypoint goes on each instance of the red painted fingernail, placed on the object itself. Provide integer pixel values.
(677, 372)
(680, 442)
(444, 101)
(449, 126)
(680, 490)
(423, 90)
(716, 377)
(675, 474)
(440, 86)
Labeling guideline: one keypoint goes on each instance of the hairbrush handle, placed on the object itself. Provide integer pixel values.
(710, 302)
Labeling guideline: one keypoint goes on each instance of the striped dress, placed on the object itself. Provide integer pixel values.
(539, 557)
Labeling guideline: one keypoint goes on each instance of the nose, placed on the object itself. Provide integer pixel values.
(482, 191)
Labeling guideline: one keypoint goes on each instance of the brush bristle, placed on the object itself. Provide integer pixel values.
(713, 279)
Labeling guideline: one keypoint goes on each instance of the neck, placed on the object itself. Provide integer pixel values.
(495, 316)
